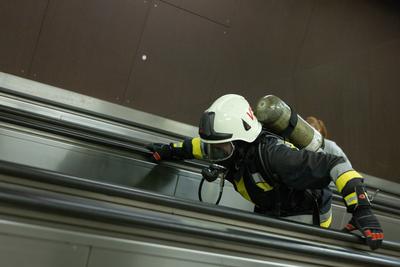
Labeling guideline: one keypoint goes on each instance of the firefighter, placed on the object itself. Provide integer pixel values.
(278, 178)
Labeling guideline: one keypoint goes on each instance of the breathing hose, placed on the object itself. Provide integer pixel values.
(211, 173)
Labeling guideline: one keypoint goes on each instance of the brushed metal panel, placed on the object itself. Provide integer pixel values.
(187, 188)
(106, 248)
(117, 130)
(338, 214)
(34, 252)
(183, 58)
(86, 162)
(104, 258)
(88, 46)
(390, 225)
(75, 101)
(20, 23)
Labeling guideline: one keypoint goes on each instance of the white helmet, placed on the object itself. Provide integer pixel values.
(230, 118)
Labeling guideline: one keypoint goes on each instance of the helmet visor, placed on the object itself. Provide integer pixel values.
(219, 152)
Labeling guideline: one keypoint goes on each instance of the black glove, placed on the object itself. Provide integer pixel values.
(365, 221)
(160, 151)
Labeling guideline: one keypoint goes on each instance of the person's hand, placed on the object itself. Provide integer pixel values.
(365, 221)
(160, 151)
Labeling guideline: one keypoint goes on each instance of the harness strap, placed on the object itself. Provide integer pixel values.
(292, 124)
(269, 173)
(276, 184)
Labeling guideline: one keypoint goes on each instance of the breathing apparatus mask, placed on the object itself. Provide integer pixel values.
(219, 154)
(225, 157)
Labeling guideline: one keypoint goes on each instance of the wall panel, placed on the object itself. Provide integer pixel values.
(341, 28)
(339, 94)
(20, 23)
(348, 76)
(183, 59)
(88, 46)
(220, 11)
(264, 42)
(384, 120)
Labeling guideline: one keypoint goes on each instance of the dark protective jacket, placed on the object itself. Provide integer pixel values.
(284, 181)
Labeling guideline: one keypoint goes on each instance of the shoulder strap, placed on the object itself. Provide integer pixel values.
(261, 145)
(292, 124)
(270, 176)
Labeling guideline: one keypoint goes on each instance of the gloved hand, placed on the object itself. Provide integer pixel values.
(365, 221)
(160, 151)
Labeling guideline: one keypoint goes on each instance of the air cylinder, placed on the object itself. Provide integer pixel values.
(277, 117)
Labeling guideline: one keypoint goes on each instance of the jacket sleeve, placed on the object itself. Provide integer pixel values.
(303, 169)
(330, 147)
(188, 149)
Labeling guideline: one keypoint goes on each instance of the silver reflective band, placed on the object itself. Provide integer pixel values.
(219, 152)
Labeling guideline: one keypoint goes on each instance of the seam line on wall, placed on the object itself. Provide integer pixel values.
(29, 72)
(196, 14)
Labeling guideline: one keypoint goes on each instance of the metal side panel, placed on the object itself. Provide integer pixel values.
(389, 225)
(85, 162)
(32, 89)
(182, 231)
(106, 258)
(19, 251)
(109, 251)
(187, 188)
(91, 163)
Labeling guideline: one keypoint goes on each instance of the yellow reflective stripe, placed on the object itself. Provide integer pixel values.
(291, 145)
(241, 188)
(351, 199)
(288, 144)
(326, 223)
(344, 178)
(177, 145)
(264, 186)
(196, 148)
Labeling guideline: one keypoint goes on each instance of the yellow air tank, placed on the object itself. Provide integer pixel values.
(277, 117)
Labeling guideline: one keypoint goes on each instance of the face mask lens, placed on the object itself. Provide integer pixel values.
(219, 152)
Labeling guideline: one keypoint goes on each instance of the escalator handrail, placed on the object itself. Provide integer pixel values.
(94, 210)
(56, 178)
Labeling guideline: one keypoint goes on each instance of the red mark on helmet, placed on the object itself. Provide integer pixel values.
(250, 113)
(361, 196)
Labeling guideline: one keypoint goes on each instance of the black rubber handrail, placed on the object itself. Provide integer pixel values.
(56, 178)
(99, 211)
